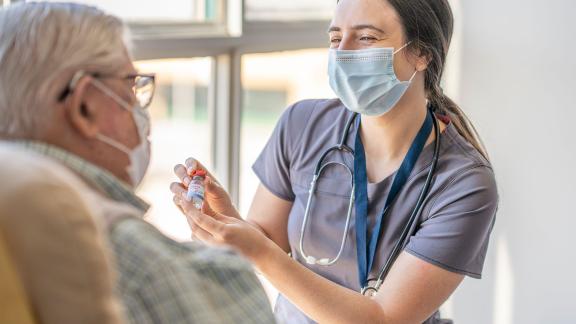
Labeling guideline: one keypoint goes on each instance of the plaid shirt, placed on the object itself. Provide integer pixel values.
(163, 281)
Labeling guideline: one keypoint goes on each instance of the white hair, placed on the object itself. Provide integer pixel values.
(43, 42)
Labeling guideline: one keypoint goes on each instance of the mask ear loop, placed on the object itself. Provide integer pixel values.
(117, 145)
(127, 107)
(111, 94)
(403, 47)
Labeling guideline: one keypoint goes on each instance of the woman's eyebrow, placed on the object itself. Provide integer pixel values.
(357, 27)
(368, 26)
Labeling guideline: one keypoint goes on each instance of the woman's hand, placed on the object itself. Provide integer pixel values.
(215, 228)
(218, 222)
(215, 195)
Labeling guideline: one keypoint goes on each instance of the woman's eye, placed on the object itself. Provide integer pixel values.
(335, 40)
(367, 38)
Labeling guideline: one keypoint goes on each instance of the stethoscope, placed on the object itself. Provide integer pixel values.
(407, 231)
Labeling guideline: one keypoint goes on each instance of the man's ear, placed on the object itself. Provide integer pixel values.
(80, 109)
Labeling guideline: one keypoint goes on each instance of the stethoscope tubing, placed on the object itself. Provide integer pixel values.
(320, 166)
(409, 228)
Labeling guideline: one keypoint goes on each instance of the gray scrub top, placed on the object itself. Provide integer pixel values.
(454, 227)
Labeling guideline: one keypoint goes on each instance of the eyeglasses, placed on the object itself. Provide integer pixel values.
(143, 85)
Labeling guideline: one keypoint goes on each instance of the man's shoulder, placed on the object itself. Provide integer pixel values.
(148, 260)
(140, 241)
(186, 277)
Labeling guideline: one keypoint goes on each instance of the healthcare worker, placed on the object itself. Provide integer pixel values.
(374, 206)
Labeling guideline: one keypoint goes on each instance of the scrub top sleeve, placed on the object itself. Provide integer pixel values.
(455, 235)
(273, 165)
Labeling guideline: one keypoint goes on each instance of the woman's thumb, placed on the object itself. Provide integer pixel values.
(213, 189)
(206, 209)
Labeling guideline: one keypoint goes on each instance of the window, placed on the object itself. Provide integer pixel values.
(218, 97)
(181, 11)
(266, 95)
(289, 10)
(180, 129)
(297, 75)
(174, 18)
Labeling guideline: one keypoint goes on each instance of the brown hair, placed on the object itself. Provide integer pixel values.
(428, 26)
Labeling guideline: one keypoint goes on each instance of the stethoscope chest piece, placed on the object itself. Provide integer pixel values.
(369, 291)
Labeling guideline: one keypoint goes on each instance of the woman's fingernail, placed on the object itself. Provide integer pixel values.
(193, 161)
(187, 181)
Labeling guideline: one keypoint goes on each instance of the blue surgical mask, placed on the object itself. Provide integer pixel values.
(365, 80)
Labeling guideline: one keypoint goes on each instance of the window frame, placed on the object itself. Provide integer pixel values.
(225, 101)
(228, 23)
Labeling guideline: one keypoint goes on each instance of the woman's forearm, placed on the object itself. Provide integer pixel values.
(321, 299)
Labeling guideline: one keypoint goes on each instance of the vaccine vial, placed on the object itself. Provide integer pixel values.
(196, 188)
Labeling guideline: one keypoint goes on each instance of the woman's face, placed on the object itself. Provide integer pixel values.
(361, 24)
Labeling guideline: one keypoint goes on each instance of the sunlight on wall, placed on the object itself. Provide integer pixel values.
(447, 309)
(452, 75)
(504, 292)
(451, 87)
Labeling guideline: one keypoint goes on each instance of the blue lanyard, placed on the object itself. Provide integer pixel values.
(366, 253)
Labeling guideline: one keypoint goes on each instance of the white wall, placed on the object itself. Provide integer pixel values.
(516, 62)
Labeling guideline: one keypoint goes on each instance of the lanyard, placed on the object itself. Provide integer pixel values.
(366, 253)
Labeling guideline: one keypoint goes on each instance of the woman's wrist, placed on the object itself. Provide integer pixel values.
(268, 252)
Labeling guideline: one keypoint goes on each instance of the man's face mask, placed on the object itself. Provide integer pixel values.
(140, 155)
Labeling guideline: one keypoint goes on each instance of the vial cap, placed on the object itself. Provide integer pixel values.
(198, 173)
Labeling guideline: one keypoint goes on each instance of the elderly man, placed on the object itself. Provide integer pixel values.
(69, 93)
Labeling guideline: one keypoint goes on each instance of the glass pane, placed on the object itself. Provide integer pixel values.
(153, 11)
(289, 10)
(266, 95)
(180, 129)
